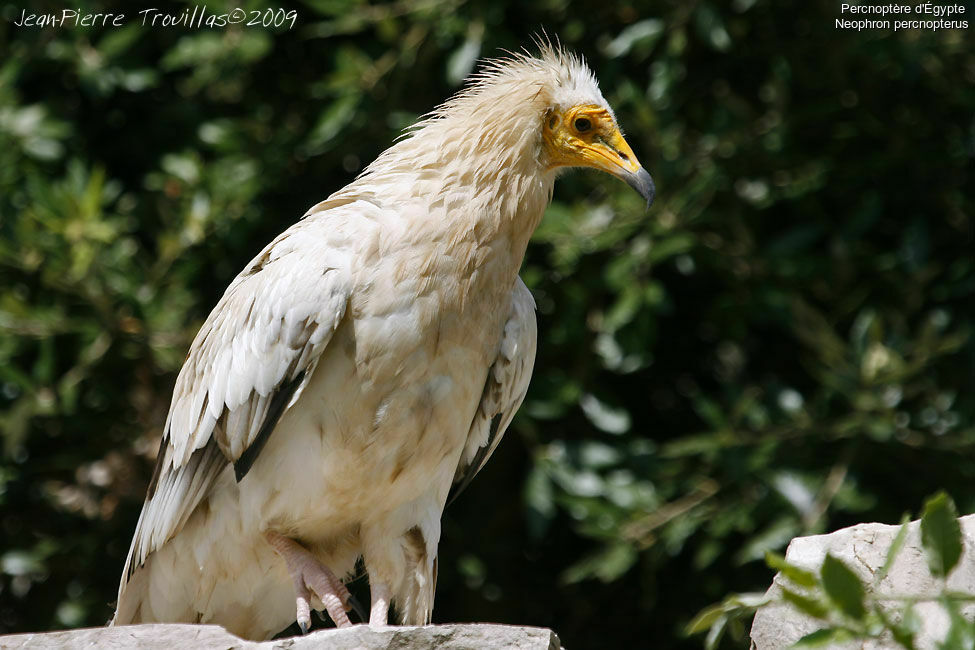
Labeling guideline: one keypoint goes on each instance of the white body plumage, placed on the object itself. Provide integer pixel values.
(369, 358)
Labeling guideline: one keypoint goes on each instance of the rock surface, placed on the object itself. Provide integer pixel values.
(473, 636)
(864, 549)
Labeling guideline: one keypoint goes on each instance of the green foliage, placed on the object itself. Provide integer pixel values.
(895, 548)
(799, 576)
(941, 534)
(767, 353)
(851, 610)
(843, 587)
(717, 618)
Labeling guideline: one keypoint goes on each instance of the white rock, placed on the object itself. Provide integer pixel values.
(863, 548)
(473, 636)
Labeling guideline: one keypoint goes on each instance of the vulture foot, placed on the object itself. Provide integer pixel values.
(309, 577)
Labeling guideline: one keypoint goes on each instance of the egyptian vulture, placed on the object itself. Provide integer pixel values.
(366, 361)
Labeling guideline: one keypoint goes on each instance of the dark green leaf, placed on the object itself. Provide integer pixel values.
(941, 534)
(843, 587)
(895, 548)
(805, 604)
(820, 638)
(713, 638)
(798, 575)
(705, 619)
(905, 629)
(735, 605)
(961, 632)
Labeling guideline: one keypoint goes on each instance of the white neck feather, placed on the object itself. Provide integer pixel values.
(474, 173)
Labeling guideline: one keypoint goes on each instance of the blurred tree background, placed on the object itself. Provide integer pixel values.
(782, 346)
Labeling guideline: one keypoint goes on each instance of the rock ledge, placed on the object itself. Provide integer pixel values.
(864, 549)
(159, 636)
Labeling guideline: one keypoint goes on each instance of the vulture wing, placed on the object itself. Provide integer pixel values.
(248, 364)
(505, 388)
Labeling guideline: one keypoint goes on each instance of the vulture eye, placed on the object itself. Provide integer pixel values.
(582, 124)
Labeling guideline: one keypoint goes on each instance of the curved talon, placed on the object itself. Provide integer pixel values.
(309, 576)
(302, 598)
(353, 605)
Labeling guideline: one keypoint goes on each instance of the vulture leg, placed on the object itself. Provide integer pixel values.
(379, 614)
(309, 577)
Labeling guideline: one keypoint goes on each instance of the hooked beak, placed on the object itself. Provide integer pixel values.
(610, 153)
(588, 136)
(643, 183)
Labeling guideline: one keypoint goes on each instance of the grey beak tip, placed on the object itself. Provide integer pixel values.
(643, 183)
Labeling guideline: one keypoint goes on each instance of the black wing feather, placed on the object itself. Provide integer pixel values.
(479, 460)
(276, 408)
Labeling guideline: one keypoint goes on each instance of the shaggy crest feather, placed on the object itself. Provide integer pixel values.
(561, 77)
(496, 119)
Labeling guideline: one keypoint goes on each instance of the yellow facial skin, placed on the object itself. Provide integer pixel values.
(587, 136)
